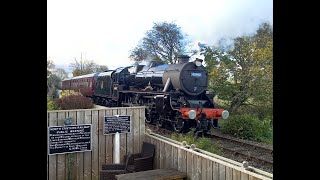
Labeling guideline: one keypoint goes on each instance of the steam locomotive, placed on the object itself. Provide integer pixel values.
(173, 94)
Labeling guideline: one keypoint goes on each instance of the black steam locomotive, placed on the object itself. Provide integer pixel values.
(173, 93)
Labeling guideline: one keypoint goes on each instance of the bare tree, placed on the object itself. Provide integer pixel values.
(101, 68)
(81, 67)
(61, 73)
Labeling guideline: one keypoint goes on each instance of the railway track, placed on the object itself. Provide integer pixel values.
(155, 128)
(236, 149)
(247, 150)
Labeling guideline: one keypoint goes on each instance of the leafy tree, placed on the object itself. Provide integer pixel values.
(241, 73)
(52, 80)
(53, 83)
(139, 54)
(77, 72)
(50, 65)
(164, 42)
(54, 77)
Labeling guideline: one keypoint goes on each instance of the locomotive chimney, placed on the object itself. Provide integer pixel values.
(183, 59)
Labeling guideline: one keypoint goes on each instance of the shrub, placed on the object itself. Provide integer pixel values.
(51, 105)
(74, 102)
(64, 93)
(207, 145)
(261, 111)
(201, 143)
(248, 126)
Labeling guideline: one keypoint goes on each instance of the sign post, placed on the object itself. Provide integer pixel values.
(116, 148)
(115, 125)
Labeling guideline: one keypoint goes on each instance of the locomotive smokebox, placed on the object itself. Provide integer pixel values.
(183, 59)
(187, 77)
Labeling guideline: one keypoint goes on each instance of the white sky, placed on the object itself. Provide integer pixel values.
(105, 31)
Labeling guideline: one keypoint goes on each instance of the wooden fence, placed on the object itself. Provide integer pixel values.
(199, 166)
(169, 153)
(86, 165)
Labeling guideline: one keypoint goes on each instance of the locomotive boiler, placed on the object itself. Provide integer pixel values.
(175, 94)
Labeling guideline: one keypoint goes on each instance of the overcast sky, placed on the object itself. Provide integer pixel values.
(105, 31)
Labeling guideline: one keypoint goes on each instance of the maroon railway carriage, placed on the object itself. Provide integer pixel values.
(83, 84)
